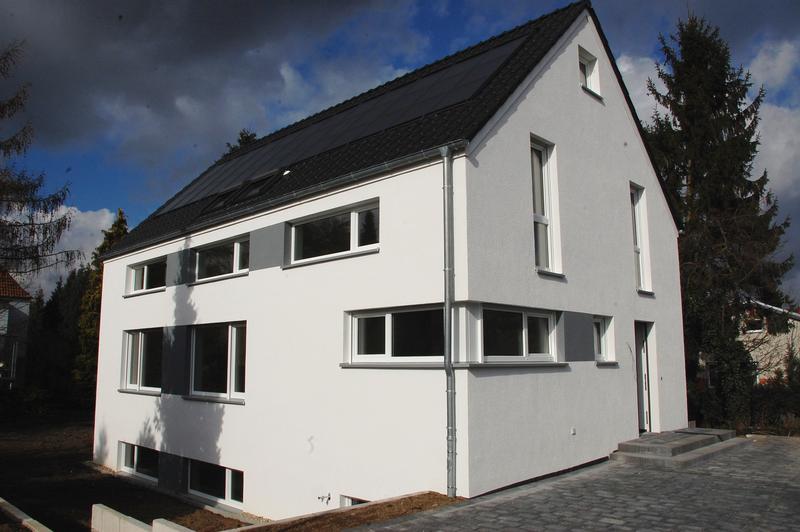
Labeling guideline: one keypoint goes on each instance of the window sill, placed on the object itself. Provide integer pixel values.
(607, 363)
(515, 364)
(456, 365)
(233, 275)
(140, 392)
(145, 292)
(210, 399)
(550, 273)
(645, 293)
(392, 365)
(590, 92)
(328, 258)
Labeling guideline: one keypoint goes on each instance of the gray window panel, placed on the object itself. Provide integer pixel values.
(207, 478)
(147, 462)
(237, 485)
(371, 336)
(541, 245)
(418, 333)
(322, 237)
(502, 333)
(215, 261)
(211, 358)
(578, 336)
(156, 275)
(175, 360)
(538, 335)
(368, 227)
(151, 357)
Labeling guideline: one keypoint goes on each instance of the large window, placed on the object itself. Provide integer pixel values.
(140, 460)
(218, 360)
(148, 276)
(216, 482)
(517, 335)
(223, 259)
(143, 359)
(542, 226)
(399, 334)
(639, 237)
(341, 233)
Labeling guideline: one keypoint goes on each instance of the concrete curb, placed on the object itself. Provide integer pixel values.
(21, 517)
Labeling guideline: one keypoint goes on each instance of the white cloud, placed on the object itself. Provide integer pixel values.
(775, 63)
(779, 151)
(84, 234)
(635, 72)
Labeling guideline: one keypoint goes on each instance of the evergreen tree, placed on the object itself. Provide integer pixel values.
(704, 146)
(245, 137)
(31, 223)
(85, 369)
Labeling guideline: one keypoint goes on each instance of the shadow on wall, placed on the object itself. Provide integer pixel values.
(187, 428)
(101, 449)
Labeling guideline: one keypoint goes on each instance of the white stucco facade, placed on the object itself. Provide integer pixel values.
(314, 424)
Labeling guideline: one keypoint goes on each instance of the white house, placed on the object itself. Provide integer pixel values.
(273, 337)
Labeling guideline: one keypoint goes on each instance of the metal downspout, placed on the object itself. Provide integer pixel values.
(449, 281)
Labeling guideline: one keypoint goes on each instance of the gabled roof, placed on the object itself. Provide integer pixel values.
(441, 103)
(10, 288)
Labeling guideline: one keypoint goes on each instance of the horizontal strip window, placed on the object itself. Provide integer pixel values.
(148, 276)
(518, 335)
(215, 482)
(337, 234)
(142, 360)
(399, 335)
(139, 461)
(227, 258)
(219, 360)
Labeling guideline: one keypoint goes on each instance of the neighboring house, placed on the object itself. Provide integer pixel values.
(769, 351)
(272, 337)
(14, 312)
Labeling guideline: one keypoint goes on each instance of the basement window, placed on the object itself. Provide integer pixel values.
(149, 276)
(215, 482)
(339, 234)
(218, 360)
(516, 335)
(406, 335)
(219, 260)
(139, 461)
(143, 360)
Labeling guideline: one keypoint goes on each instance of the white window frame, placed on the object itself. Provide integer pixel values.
(132, 470)
(552, 356)
(589, 63)
(354, 234)
(126, 360)
(231, 365)
(387, 355)
(235, 271)
(639, 234)
(606, 339)
(228, 486)
(144, 267)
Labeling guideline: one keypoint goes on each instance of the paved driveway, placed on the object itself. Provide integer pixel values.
(753, 487)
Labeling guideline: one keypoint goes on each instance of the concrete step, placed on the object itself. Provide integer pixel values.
(680, 461)
(720, 434)
(667, 444)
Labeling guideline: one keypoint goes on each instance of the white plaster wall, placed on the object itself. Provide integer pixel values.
(526, 415)
(309, 427)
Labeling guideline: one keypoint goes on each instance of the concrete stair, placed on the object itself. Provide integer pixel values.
(678, 449)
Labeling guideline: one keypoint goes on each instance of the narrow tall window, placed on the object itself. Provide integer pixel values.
(143, 360)
(600, 334)
(587, 71)
(636, 223)
(541, 207)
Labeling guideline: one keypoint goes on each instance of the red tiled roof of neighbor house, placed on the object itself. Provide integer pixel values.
(10, 288)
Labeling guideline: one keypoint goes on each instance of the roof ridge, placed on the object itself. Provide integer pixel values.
(420, 72)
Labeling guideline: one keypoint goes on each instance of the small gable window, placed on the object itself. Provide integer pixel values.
(587, 71)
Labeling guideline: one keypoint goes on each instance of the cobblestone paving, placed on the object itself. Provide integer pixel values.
(755, 486)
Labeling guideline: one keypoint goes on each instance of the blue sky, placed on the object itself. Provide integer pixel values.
(131, 100)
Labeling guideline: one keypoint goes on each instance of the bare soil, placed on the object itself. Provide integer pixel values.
(363, 515)
(42, 472)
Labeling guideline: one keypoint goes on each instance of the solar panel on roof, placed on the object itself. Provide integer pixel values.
(438, 90)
